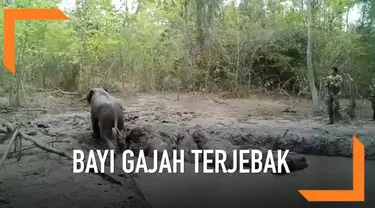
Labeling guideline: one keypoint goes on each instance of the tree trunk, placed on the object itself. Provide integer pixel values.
(200, 35)
(314, 92)
(347, 19)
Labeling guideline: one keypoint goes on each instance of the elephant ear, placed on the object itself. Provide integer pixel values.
(180, 137)
(89, 96)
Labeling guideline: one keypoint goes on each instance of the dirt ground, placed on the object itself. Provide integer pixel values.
(63, 121)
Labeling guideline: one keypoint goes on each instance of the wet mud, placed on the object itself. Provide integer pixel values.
(44, 179)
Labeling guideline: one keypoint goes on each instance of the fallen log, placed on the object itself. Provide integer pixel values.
(33, 146)
(59, 152)
(15, 134)
(67, 93)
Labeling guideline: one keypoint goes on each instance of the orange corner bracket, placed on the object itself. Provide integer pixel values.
(10, 17)
(357, 194)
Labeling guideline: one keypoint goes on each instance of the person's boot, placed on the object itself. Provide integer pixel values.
(373, 115)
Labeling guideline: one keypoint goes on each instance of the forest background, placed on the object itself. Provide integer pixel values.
(213, 46)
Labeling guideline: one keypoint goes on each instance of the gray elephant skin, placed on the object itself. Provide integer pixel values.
(148, 140)
(106, 114)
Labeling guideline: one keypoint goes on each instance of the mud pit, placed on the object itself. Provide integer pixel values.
(43, 179)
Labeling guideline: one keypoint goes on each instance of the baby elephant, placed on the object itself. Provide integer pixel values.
(159, 143)
(146, 139)
(187, 143)
(106, 113)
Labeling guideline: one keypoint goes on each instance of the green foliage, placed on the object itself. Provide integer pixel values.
(171, 45)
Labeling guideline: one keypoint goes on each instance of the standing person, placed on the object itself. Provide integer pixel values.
(372, 97)
(333, 84)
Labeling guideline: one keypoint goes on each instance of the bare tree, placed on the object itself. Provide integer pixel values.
(314, 92)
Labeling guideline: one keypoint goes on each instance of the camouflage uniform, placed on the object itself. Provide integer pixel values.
(372, 97)
(333, 83)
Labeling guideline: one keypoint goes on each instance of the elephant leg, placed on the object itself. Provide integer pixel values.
(106, 134)
(120, 123)
(105, 125)
(105, 130)
(95, 127)
(120, 138)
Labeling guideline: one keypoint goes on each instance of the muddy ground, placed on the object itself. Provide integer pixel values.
(63, 121)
